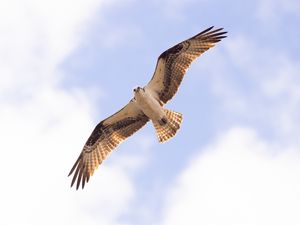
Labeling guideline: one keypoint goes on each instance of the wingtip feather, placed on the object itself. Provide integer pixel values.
(206, 30)
(209, 32)
(76, 174)
(79, 179)
(75, 165)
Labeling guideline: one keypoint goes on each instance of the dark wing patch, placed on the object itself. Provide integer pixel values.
(173, 63)
(104, 138)
(174, 50)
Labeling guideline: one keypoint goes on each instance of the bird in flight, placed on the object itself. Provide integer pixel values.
(147, 104)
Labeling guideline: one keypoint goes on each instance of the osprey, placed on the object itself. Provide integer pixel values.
(147, 104)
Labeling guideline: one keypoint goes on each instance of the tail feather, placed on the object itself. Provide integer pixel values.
(169, 128)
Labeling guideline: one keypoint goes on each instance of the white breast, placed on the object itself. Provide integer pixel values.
(149, 105)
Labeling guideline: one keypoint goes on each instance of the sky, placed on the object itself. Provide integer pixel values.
(66, 65)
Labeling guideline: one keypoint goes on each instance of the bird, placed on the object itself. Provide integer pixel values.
(146, 105)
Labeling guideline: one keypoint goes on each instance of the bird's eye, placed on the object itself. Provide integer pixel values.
(134, 90)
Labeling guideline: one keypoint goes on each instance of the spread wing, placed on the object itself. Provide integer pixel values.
(104, 138)
(174, 62)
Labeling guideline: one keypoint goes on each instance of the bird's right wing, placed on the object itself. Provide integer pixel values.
(104, 138)
(173, 63)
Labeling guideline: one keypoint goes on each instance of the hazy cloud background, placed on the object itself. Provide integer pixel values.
(66, 65)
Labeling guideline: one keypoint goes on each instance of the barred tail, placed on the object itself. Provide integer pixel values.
(167, 127)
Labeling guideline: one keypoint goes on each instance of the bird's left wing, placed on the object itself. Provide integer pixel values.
(104, 138)
(172, 64)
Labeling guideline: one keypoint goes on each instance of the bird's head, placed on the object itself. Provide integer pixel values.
(137, 89)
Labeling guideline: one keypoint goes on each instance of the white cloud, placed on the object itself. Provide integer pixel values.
(43, 126)
(240, 179)
(36, 36)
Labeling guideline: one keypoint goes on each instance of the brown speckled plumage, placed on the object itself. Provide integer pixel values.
(173, 63)
(104, 138)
